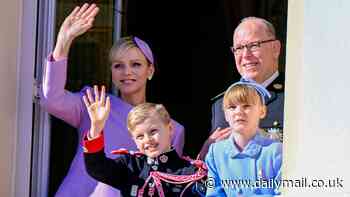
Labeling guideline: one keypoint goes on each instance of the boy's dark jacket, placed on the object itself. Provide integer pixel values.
(129, 172)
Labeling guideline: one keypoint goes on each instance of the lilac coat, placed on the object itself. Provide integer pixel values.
(69, 107)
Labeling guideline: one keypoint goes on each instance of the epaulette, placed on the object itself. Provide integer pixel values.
(278, 84)
(198, 163)
(217, 96)
(277, 87)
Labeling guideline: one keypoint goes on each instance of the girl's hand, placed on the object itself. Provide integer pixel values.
(98, 109)
(79, 21)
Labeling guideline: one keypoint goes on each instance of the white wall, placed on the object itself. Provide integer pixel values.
(9, 22)
(317, 109)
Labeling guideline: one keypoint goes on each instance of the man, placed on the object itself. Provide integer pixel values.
(256, 52)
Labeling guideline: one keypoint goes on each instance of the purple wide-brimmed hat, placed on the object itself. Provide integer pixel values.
(145, 49)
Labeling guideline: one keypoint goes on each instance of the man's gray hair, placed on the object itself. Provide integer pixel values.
(270, 30)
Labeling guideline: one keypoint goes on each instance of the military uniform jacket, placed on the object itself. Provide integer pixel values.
(275, 106)
(129, 172)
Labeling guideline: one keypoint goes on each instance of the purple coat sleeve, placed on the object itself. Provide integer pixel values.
(178, 140)
(55, 99)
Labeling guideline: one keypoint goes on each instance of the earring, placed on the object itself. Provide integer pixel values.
(150, 77)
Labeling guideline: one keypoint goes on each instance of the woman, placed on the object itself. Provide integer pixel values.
(132, 65)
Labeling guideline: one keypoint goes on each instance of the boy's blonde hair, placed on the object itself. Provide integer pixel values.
(144, 111)
(241, 93)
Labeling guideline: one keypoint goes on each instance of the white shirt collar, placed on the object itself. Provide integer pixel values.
(268, 81)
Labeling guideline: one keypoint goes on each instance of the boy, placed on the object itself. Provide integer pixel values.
(247, 163)
(140, 173)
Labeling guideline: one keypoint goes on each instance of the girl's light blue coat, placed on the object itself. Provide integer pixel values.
(258, 167)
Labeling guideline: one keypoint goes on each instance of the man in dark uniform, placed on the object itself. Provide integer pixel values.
(256, 52)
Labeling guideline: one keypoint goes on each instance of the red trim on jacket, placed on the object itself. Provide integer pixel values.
(94, 145)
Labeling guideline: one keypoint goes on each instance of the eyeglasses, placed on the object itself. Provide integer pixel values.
(253, 46)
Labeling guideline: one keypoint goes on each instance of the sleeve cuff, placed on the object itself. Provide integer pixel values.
(94, 145)
(50, 58)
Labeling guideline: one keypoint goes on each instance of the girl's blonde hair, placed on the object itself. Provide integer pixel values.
(241, 93)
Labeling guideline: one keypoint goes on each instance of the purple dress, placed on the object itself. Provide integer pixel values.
(69, 107)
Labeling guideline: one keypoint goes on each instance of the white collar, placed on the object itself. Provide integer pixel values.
(268, 81)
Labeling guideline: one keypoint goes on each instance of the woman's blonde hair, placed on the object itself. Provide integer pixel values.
(144, 111)
(125, 43)
(120, 47)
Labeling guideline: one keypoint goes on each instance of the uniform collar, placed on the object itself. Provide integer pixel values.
(252, 149)
(163, 158)
(268, 81)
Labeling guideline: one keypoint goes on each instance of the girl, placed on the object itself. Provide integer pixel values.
(242, 164)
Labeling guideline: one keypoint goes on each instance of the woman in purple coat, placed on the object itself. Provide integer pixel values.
(132, 65)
